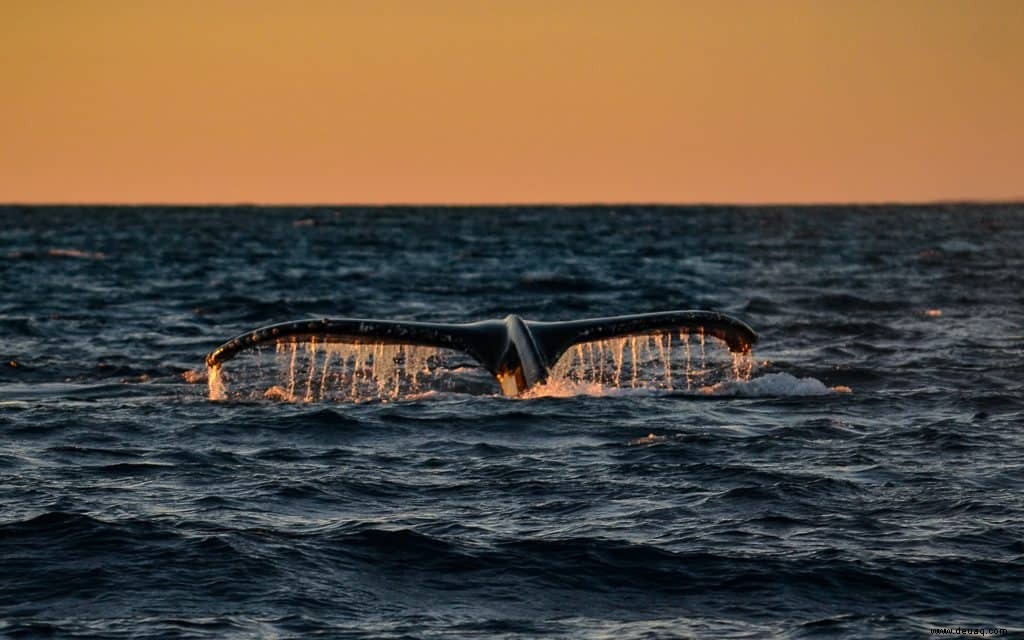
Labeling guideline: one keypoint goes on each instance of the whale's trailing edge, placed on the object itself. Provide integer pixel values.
(519, 353)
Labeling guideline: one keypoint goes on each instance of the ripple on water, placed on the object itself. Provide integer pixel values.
(772, 506)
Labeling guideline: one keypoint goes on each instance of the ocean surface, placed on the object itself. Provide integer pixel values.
(867, 481)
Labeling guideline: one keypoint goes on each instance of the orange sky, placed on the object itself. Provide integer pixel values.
(476, 101)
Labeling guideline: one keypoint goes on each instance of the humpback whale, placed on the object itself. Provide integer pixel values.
(518, 353)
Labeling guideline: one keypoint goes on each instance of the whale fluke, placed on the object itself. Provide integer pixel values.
(519, 353)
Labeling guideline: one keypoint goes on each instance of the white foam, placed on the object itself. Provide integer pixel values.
(770, 385)
(563, 388)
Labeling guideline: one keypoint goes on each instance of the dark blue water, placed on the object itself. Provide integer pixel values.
(133, 506)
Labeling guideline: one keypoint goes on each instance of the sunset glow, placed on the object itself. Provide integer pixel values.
(454, 101)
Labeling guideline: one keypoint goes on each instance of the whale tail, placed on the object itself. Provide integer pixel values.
(518, 353)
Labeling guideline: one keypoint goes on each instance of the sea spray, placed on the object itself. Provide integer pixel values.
(653, 361)
(318, 371)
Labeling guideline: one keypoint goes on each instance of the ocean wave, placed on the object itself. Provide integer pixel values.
(774, 505)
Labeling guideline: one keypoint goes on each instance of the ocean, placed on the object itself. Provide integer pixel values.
(865, 480)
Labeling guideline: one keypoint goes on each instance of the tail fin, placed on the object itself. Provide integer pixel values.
(554, 338)
(517, 352)
(485, 341)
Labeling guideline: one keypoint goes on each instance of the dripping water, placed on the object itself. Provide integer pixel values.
(319, 371)
(653, 361)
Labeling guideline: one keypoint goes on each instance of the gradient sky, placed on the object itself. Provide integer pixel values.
(477, 101)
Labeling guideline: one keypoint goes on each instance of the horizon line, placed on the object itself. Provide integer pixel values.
(538, 204)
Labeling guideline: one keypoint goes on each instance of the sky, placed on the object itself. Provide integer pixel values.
(510, 101)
